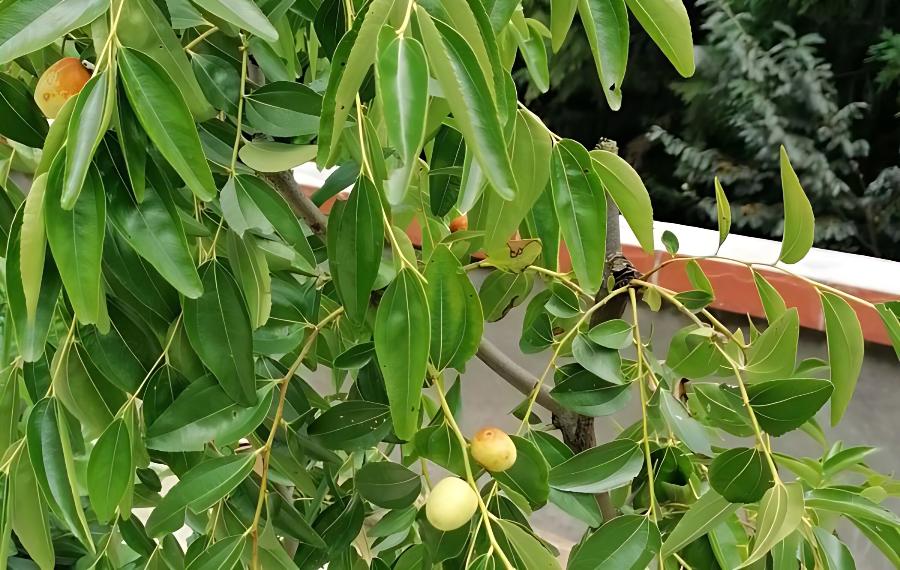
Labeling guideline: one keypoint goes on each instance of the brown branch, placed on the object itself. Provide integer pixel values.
(517, 377)
(304, 207)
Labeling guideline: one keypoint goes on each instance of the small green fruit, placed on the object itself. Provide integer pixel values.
(451, 504)
(493, 449)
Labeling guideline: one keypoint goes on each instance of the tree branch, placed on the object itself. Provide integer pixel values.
(304, 207)
(516, 376)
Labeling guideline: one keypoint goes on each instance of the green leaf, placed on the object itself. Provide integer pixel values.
(626, 542)
(29, 512)
(603, 362)
(88, 124)
(799, 222)
(199, 489)
(353, 57)
(562, 12)
(740, 475)
(670, 241)
(83, 390)
(355, 357)
(666, 21)
(203, 412)
(723, 208)
(606, 26)
(627, 189)
(529, 475)
(265, 156)
(444, 177)
(772, 303)
(584, 393)
(780, 512)
(30, 25)
(9, 410)
(22, 121)
(528, 548)
(693, 355)
(723, 407)
(708, 512)
(531, 146)
(166, 119)
(685, 427)
(581, 207)
(836, 554)
(76, 240)
(244, 14)
(110, 470)
(154, 231)
(54, 465)
(846, 346)
(890, 316)
(456, 319)
(697, 277)
(774, 353)
(402, 341)
(249, 203)
(144, 27)
(502, 291)
(30, 331)
(784, 405)
(401, 71)
(850, 504)
(220, 82)
(284, 109)
(533, 50)
(615, 334)
(352, 425)
(133, 144)
(599, 469)
(218, 326)
(563, 302)
(469, 95)
(413, 558)
(885, 537)
(225, 554)
(439, 445)
(355, 246)
(695, 300)
(388, 485)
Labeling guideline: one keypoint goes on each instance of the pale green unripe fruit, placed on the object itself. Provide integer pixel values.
(493, 449)
(451, 504)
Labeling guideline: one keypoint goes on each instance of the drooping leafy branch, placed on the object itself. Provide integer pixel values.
(169, 291)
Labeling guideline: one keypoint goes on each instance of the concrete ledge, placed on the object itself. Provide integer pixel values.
(869, 278)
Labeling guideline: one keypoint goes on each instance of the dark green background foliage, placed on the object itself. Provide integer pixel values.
(820, 77)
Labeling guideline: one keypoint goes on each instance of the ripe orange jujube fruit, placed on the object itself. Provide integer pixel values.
(62, 80)
(459, 223)
(493, 449)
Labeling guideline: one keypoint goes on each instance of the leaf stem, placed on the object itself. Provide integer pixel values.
(194, 42)
(266, 449)
(669, 296)
(562, 277)
(639, 347)
(406, 17)
(240, 105)
(756, 429)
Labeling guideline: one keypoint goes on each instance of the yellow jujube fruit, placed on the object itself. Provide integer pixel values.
(451, 504)
(62, 80)
(493, 449)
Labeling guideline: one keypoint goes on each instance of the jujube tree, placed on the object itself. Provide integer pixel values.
(169, 289)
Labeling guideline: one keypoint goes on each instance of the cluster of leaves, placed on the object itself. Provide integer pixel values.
(163, 305)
